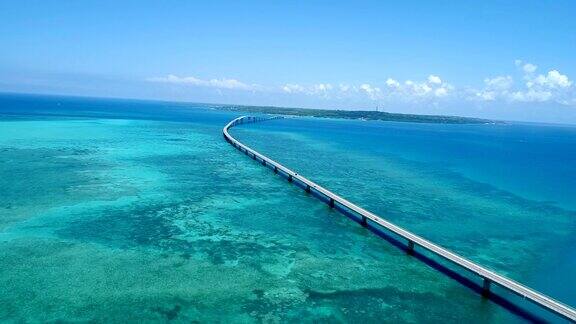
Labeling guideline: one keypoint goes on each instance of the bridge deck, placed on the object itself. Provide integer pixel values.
(412, 239)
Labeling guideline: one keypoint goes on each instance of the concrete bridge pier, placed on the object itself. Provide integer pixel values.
(331, 203)
(410, 247)
(486, 287)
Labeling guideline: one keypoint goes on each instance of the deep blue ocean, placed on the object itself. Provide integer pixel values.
(114, 210)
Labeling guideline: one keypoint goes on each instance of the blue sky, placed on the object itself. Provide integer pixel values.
(497, 59)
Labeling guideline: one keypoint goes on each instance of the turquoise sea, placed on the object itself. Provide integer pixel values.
(124, 210)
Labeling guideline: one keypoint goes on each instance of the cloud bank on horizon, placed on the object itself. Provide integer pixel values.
(528, 85)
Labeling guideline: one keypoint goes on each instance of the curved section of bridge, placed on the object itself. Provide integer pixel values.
(413, 241)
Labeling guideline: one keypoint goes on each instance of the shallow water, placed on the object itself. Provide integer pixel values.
(140, 211)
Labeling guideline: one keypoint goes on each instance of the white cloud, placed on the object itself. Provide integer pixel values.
(344, 87)
(421, 88)
(392, 83)
(433, 87)
(229, 84)
(441, 92)
(406, 91)
(499, 82)
(527, 86)
(293, 88)
(531, 96)
(550, 87)
(371, 91)
(322, 87)
(529, 68)
(553, 79)
(212, 83)
(324, 90)
(494, 88)
(525, 66)
(486, 95)
(434, 79)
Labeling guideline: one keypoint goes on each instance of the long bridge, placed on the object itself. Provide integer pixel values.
(413, 241)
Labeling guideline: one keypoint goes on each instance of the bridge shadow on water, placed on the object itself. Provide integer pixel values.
(500, 300)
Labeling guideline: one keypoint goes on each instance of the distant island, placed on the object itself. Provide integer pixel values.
(355, 114)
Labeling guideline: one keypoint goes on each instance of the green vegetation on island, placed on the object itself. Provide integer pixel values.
(355, 114)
